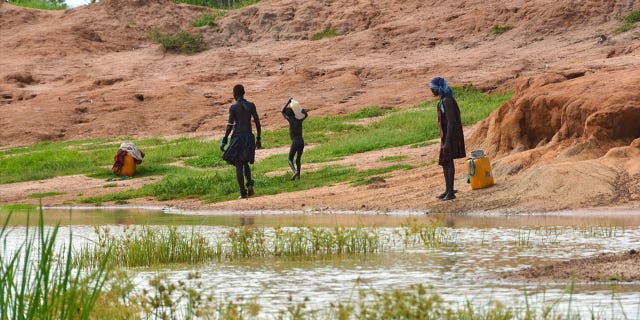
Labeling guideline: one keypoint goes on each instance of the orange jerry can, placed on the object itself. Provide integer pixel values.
(479, 171)
(129, 166)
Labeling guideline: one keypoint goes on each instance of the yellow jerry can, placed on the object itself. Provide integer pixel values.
(479, 173)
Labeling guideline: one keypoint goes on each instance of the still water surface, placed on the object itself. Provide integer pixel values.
(470, 269)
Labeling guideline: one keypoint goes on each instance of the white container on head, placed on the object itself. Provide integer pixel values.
(477, 154)
(297, 109)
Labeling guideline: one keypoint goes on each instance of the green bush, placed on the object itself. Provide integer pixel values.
(500, 29)
(328, 33)
(207, 19)
(629, 22)
(633, 17)
(182, 41)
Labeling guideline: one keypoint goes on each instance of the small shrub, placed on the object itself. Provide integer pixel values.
(624, 28)
(633, 17)
(629, 22)
(207, 19)
(182, 41)
(328, 33)
(500, 29)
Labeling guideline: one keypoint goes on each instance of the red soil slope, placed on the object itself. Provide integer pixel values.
(91, 72)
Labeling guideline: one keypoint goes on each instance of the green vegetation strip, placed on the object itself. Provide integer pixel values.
(207, 177)
(154, 246)
(221, 4)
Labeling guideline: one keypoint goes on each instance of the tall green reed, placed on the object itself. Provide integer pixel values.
(40, 281)
(151, 246)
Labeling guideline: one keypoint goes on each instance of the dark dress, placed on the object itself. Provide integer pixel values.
(456, 149)
(242, 146)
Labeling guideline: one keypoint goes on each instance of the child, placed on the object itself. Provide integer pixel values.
(295, 114)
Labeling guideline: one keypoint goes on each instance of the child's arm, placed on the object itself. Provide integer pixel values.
(284, 114)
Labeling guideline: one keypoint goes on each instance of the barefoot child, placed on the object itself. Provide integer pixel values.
(293, 112)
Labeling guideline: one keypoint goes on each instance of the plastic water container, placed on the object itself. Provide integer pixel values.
(479, 170)
(129, 166)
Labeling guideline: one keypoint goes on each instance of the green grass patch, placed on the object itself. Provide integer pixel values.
(630, 21)
(207, 19)
(221, 4)
(40, 195)
(633, 16)
(40, 4)
(624, 27)
(500, 29)
(182, 41)
(328, 33)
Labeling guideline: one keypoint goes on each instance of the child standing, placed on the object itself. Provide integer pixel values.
(295, 114)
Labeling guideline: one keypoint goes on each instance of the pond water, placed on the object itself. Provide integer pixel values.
(469, 269)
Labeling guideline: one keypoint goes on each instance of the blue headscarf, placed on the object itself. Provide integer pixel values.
(441, 85)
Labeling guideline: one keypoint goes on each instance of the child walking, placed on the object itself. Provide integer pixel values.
(295, 114)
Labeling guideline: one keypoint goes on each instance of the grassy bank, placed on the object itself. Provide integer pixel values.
(205, 176)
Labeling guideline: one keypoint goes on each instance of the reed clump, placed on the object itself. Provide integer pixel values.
(39, 281)
(149, 246)
(434, 234)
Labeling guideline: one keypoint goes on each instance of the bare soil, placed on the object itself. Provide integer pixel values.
(606, 267)
(569, 138)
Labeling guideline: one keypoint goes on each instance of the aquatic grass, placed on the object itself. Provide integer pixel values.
(156, 246)
(322, 242)
(147, 247)
(432, 235)
(37, 281)
(522, 237)
(601, 231)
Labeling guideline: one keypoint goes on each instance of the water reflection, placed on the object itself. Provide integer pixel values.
(158, 216)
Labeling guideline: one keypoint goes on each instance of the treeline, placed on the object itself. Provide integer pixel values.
(220, 4)
(40, 4)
